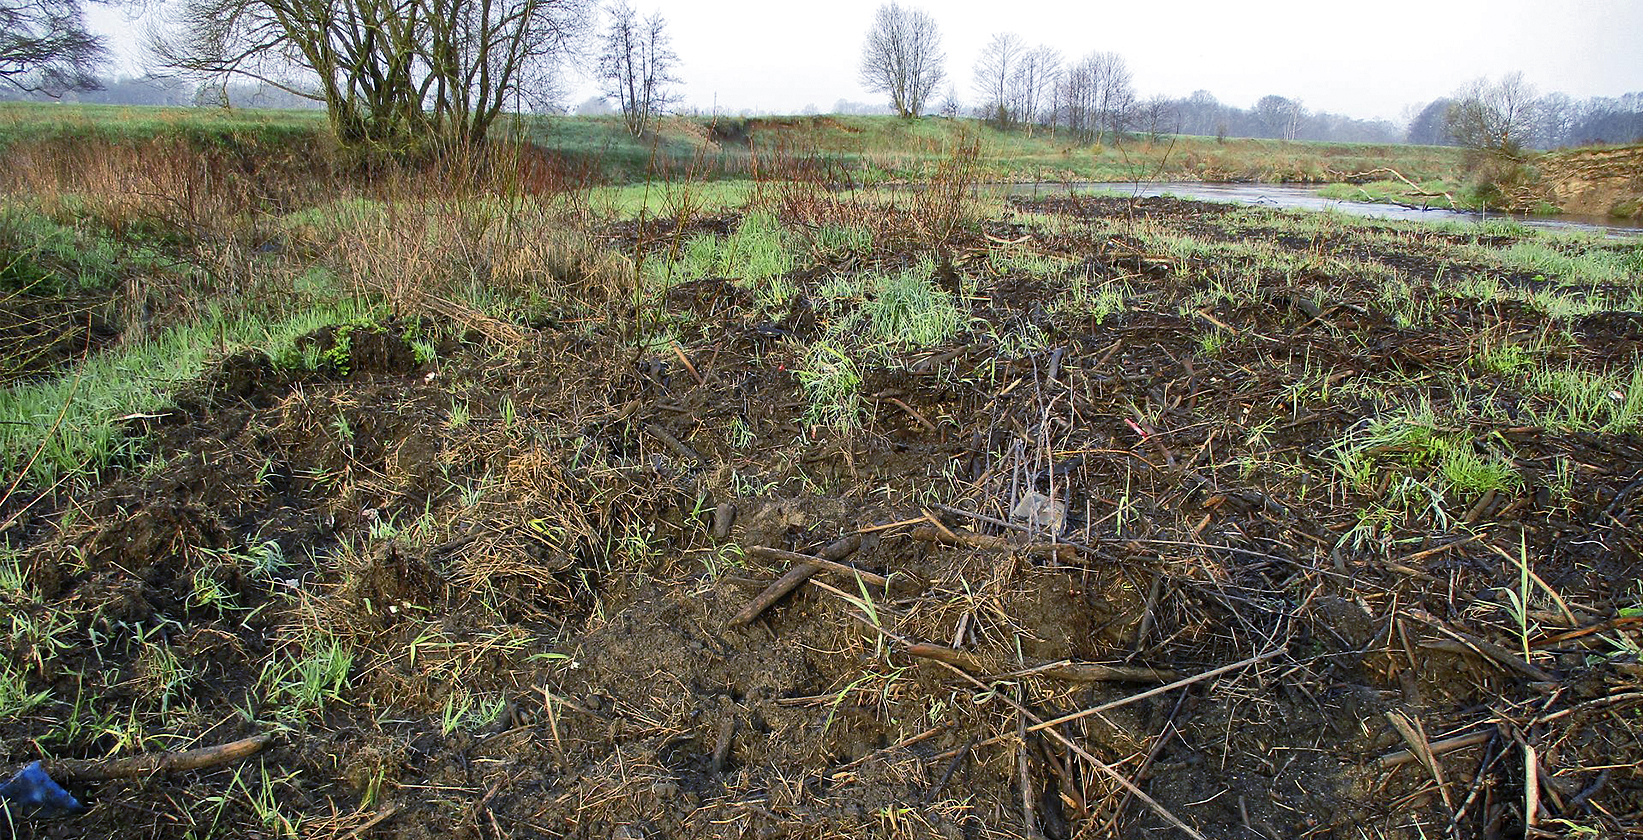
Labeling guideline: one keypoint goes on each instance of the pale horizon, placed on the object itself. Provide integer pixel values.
(738, 55)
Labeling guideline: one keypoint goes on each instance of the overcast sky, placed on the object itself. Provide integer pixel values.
(1367, 60)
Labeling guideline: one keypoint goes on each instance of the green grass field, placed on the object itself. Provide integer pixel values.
(870, 149)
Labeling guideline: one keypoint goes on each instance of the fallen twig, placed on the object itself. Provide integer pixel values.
(1589, 791)
(1417, 190)
(1531, 784)
(1098, 672)
(888, 526)
(1596, 703)
(722, 744)
(1486, 649)
(869, 578)
(672, 442)
(685, 360)
(1415, 736)
(952, 767)
(1600, 627)
(1478, 782)
(796, 576)
(78, 770)
(1436, 550)
(923, 421)
(1061, 552)
(899, 745)
(1215, 672)
(1459, 742)
(371, 823)
(1063, 670)
(1146, 764)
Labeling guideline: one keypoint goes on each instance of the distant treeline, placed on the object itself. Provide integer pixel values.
(1559, 120)
(150, 90)
(1273, 116)
(1556, 121)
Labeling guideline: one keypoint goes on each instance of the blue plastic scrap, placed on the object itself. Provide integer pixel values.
(32, 793)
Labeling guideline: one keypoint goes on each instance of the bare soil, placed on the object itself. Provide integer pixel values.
(534, 526)
(1597, 181)
(41, 333)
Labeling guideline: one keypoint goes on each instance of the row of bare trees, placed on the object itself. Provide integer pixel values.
(1508, 116)
(1029, 88)
(1018, 86)
(1093, 98)
(392, 74)
(1024, 87)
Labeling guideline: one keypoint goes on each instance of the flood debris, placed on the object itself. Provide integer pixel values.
(1040, 513)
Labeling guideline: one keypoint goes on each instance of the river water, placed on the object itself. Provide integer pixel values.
(1293, 197)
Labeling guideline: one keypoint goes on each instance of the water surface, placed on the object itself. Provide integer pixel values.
(1298, 197)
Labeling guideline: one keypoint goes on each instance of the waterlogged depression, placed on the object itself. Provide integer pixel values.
(1294, 197)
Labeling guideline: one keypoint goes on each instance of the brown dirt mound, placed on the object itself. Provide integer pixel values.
(1597, 182)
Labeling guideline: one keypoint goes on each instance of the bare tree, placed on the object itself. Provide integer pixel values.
(1157, 116)
(1280, 116)
(903, 57)
(1269, 111)
(45, 46)
(1497, 118)
(1428, 127)
(1555, 117)
(1033, 84)
(393, 74)
(1078, 100)
(636, 66)
(1200, 113)
(993, 72)
(1113, 95)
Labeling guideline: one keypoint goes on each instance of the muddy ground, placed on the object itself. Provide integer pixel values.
(528, 553)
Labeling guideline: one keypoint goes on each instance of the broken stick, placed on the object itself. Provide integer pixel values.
(1214, 672)
(1402, 757)
(672, 442)
(795, 577)
(85, 770)
(768, 553)
(1063, 670)
(1061, 552)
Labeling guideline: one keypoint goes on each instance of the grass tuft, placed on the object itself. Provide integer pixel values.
(907, 309)
(832, 383)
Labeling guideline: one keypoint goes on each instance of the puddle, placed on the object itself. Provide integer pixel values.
(1295, 197)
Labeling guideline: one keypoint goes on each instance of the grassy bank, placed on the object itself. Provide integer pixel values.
(866, 149)
(887, 147)
(28, 122)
